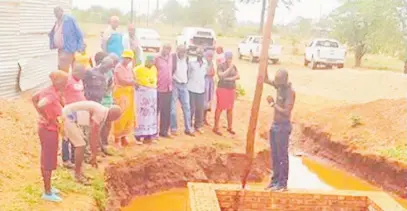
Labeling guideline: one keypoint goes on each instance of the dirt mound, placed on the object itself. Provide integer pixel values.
(159, 172)
(19, 147)
(377, 127)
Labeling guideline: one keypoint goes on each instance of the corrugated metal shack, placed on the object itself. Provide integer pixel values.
(25, 57)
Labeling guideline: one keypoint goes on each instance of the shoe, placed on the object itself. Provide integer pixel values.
(278, 188)
(83, 180)
(174, 133)
(51, 197)
(231, 132)
(55, 191)
(68, 165)
(190, 134)
(165, 136)
(138, 142)
(271, 185)
(199, 131)
(216, 131)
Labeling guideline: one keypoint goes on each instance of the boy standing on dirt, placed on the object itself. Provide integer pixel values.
(281, 128)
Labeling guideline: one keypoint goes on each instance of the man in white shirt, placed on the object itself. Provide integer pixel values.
(196, 86)
(89, 114)
(180, 91)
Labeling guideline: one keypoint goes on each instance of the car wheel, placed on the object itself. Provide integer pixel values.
(340, 66)
(314, 64)
(252, 58)
(306, 62)
(239, 55)
(274, 61)
(157, 50)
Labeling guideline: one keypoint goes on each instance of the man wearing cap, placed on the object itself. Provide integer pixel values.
(48, 103)
(67, 38)
(112, 39)
(123, 96)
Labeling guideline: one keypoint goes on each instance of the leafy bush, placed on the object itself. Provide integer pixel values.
(240, 91)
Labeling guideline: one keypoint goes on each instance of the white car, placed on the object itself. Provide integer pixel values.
(251, 47)
(328, 52)
(195, 37)
(148, 39)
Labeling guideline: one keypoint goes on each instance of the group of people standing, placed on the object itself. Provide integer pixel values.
(119, 90)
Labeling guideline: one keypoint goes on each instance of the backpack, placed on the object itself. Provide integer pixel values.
(95, 85)
(174, 62)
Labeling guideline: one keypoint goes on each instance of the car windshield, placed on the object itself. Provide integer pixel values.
(259, 40)
(327, 43)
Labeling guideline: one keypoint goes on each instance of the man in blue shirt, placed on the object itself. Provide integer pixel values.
(66, 37)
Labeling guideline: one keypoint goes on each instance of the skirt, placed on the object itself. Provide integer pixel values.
(146, 112)
(124, 97)
(225, 98)
(49, 148)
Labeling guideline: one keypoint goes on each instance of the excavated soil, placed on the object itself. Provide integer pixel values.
(160, 172)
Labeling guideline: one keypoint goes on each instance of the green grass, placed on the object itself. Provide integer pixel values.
(397, 153)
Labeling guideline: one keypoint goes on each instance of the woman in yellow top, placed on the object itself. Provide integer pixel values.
(84, 59)
(123, 95)
(146, 101)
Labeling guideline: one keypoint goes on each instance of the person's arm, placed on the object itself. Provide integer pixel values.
(222, 74)
(105, 38)
(233, 78)
(123, 81)
(91, 62)
(268, 81)
(39, 104)
(78, 33)
(288, 106)
(94, 142)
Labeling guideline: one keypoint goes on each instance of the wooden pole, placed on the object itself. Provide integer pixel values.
(263, 63)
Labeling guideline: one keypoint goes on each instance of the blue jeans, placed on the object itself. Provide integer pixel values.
(68, 154)
(279, 141)
(181, 93)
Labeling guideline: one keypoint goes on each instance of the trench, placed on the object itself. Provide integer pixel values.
(157, 183)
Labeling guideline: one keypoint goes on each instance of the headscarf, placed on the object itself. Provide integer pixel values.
(228, 55)
(58, 78)
(208, 53)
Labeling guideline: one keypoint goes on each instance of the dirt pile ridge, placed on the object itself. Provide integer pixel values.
(160, 172)
(365, 139)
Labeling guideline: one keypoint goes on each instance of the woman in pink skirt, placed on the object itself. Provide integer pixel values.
(225, 93)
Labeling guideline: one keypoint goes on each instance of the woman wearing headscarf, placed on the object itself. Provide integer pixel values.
(49, 103)
(146, 100)
(209, 84)
(123, 95)
(225, 93)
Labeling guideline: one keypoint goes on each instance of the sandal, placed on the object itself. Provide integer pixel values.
(231, 132)
(216, 131)
(83, 180)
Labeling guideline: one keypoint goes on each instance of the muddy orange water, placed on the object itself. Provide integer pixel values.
(304, 174)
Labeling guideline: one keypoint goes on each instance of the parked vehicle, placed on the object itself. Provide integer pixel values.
(326, 52)
(251, 48)
(194, 37)
(148, 39)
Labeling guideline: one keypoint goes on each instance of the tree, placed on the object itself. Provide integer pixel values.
(203, 13)
(286, 3)
(357, 24)
(173, 11)
(227, 15)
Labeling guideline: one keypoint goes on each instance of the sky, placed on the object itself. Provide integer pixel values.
(306, 8)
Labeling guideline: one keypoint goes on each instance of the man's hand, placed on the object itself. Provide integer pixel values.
(270, 99)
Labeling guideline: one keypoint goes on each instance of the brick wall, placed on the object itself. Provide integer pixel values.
(268, 201)
(229, 197)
